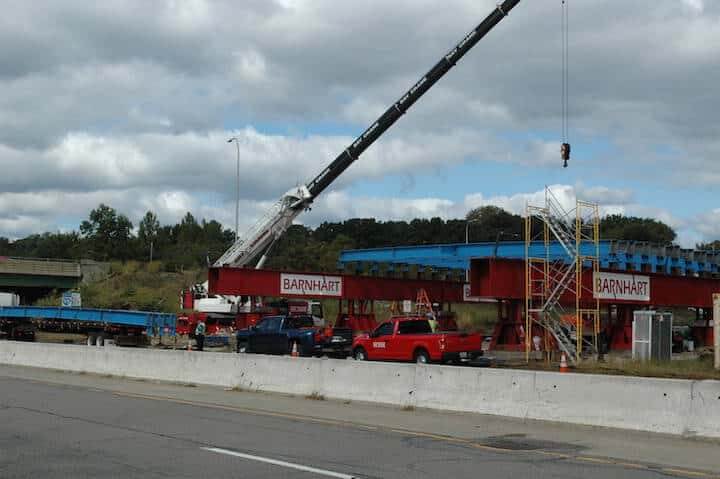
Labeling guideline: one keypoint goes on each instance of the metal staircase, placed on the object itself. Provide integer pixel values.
(554, 290)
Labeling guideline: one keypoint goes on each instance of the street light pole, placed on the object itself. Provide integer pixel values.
(467, 229)
(716, 328)
(237, 196)
(467, 241)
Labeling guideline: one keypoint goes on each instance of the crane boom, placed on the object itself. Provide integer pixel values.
(295, 201)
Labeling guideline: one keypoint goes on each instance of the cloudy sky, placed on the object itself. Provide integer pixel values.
(130, 103)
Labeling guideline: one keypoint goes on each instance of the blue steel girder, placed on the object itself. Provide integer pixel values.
(456, 256)
(619, 255)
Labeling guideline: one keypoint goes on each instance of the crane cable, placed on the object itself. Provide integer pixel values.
(564, 24)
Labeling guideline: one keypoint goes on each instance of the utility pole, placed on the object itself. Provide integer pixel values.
(151, 250)
(237, 196)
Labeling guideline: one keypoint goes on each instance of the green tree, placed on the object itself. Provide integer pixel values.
(48, 245)
(109, 234)
(329, 253)
(148, 232)
(488, 223)
(189, 231)
(216, 239)
(148, 228)
(632, 228)
(5, 246)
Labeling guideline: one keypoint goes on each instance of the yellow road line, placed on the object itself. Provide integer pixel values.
(685, 472)
(632, 465)
(594, 459)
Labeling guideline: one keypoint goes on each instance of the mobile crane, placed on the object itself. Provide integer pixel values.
(260, 237)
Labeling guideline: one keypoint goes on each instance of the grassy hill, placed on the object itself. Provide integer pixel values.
(135, 285)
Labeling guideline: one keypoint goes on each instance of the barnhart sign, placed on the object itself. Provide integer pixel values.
(624, 287)
(310, 285)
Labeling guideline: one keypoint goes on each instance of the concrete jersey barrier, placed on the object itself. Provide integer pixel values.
(681, 407)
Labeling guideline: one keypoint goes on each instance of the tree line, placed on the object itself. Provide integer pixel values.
(110, 236)
(107, 235)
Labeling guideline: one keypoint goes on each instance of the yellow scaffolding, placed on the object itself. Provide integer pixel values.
(536, 290)
(587, 238)
(549, 278)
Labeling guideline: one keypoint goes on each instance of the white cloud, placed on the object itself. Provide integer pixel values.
(250, 65)
(696, 5)
(338, 206)
(610, 201)
(708, 224)
(134, 110)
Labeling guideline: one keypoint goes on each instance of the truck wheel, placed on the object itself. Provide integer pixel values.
(422, 356)
(359, 354)
(242, 347)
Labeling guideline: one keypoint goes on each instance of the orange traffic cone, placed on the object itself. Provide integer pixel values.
(294, 352)
(563, 364)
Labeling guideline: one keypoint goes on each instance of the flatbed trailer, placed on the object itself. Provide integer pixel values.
(125, 327)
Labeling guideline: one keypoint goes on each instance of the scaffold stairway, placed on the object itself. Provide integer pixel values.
(560, 274)
(562, 232)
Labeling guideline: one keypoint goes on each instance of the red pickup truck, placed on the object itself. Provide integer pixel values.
(410, 338)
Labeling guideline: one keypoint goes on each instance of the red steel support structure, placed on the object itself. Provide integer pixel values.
(260, 282)
(504, 280)
(355, 294)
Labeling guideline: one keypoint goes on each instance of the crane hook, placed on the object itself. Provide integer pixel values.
(565, 154)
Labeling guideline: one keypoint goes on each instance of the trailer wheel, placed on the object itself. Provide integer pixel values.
(422, 356)
(360, 354)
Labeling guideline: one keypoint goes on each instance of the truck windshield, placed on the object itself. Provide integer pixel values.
(419, 326)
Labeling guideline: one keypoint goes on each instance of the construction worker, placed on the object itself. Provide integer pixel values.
(200, 335)
(433, 322)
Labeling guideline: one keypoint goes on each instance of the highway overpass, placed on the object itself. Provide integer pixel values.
(33, 278)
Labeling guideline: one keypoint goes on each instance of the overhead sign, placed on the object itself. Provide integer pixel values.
(624, 287)
(311, 285)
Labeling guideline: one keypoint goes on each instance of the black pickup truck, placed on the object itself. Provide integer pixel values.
(281, 334)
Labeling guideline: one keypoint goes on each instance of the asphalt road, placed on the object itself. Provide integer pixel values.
(52, 430)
